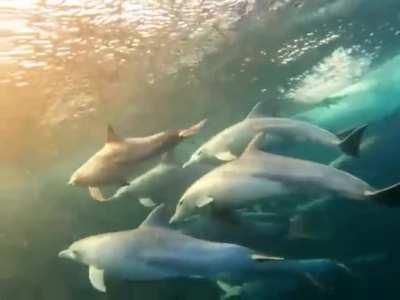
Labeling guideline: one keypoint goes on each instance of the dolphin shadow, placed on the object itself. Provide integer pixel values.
(173, 289)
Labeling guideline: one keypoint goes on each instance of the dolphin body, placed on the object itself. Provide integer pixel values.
(229, 143)
(328, 273)
(155, 252)
(261, 231)
(119, 157)
(148, 185)
(257, 175)
(163, 183)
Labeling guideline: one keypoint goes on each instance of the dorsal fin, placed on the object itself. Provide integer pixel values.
(256, 111)
(157, 218)
(255, 143)
(111, 136)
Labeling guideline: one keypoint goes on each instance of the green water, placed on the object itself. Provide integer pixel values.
(69, 68)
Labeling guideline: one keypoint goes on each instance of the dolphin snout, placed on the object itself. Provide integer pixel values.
(176, 219)
(68, 254)
(192, 160)
(179, 217)
(72, 181)
(173, 220)
(187, 164)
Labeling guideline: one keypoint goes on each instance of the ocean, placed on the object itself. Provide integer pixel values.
(69, 69)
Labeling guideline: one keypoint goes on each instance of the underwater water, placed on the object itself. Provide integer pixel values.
(70, 68)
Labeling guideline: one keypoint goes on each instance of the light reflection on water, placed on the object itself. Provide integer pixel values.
(61, 60)
(67, 67)
(40, 36)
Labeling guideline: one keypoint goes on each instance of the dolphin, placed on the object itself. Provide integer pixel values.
(119, 157)
(149, 184)
(258, 231)
(258, 175)
(229, 143)
(327, 272)
(153, 251)
(166, 181)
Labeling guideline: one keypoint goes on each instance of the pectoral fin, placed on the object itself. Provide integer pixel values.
(147, 202)
(204, 201)
(226, 156)
(96, 277)
(96, 194)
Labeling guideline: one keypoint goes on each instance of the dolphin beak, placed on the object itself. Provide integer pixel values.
(187, 164)
(173, 220)
(68, 254)
(71, 181)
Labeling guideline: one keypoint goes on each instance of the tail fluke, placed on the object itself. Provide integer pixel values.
(389, 196)
(351, 144)
(191, 131)
(229, 290)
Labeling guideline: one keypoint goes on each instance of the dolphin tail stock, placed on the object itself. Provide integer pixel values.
(351, 143)
(191, 131)
(389, 196)
(97, 195)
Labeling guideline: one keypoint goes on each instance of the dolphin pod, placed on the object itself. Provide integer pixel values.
(247, 177)
(229, 143)
(119, 157)
(153, 252)
(260, 176)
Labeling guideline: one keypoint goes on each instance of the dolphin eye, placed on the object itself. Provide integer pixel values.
(180, 203)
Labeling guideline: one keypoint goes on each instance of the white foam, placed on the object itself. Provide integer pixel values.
(335, 73)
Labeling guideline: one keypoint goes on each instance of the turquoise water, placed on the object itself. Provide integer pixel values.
(69, 68)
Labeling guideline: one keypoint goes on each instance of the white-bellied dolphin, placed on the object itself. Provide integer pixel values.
(260, 176)
(154, 252)
(119, 157)
(230, 143)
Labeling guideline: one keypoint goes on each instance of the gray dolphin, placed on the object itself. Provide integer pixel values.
(328, 274)
(257, 175)
(154, 252)
(166, 181)
(149, 184)
(229, 143)
(119, 157)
